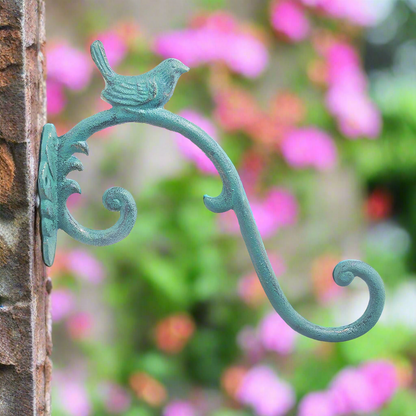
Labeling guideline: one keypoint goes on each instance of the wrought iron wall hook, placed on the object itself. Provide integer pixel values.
(141, 99)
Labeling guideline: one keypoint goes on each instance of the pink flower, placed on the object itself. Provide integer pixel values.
(276, 335)
(74, 201)
(344, 67)
(62, 304)
(277, 210)
(117, 400)
(217, 40)
(55, 97)
(190, 150)
(351, 392)
(236, 109)
(283, 205)
(347, 97)
(179, 408)
(114, 45)
(309, 147)
(317, 404)
(289, 18)
(383, 377)
(85, 266)
(357, 115)
(80, 325)
(364, 389)
(265, 392)
(246, 55)
(249, 342)
(250, 289)
(68, 66)
(360, 12)
(73, 396)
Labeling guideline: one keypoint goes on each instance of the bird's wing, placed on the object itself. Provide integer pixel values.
(130, 93)
(147, 90)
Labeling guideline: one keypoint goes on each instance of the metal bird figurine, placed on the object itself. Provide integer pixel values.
(147, 91)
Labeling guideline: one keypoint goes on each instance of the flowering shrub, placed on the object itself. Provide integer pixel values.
(173, 320)
(216, 38)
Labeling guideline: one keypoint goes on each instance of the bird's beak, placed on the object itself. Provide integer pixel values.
(184, 69)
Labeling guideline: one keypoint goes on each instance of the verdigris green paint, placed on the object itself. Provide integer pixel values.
(141, 99)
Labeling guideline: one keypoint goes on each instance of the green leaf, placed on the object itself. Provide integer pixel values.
(166, 276)
(380, 342)
(403, 404)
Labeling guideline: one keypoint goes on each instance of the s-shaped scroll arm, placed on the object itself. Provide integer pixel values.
(141, 99)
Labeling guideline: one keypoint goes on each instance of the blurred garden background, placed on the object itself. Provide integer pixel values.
(315, 103)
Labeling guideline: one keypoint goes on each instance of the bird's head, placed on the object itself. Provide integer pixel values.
(175, 66)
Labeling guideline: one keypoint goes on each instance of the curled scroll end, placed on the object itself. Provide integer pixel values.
(344, 273)
(218, 204)
(114, 199)
(120, 200)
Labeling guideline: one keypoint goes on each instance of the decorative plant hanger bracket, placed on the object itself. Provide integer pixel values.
(141, 99)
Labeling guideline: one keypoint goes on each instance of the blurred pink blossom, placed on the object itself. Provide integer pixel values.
(217, 40)
(80, 325)
(383, 376)
(73, 396)
(351, 392)
(85, 266)
(289, 18)
(115, 46)
(344, 67)
(74, 201)
(250, 289)
(283, 207)
(364, 389)
(356, 114)
(190, 150)
(179, 408)
(360, 12)
(317, 404)
(347, 98)
(276, 335)
(68, 66)
(62, 304)
(278, 209)
(309, 147)
(354, 390)
(117, 399)
(55, 97)
(324, 287)
(265, 392)
(236, 109)
(249, 342)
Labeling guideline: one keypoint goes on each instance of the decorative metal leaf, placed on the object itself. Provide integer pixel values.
(81, 147)
(73, 163)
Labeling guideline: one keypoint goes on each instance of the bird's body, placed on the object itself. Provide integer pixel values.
(147, 91)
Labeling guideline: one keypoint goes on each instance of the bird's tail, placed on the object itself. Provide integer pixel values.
(100, 58)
